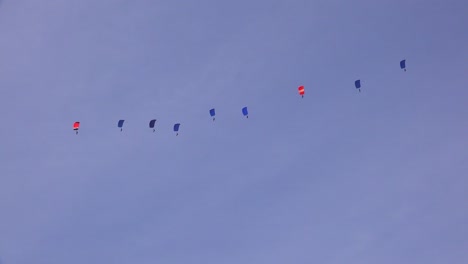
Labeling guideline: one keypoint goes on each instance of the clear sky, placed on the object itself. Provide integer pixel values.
(336, 177)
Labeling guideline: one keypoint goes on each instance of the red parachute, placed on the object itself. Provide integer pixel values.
(76, 126)
(301, 90)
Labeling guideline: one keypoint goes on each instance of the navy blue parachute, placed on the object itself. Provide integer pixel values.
(176, 128)
(245, 112)
(151, 124)
(357, 83)
(120, 124)
(212, 113)
(403, 64)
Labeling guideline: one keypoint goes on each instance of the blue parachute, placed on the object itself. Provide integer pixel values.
(357, 83)
(120, 124)
(151, 124)
(245, 112)
(176, 128)
(212, 113)
(403, 64)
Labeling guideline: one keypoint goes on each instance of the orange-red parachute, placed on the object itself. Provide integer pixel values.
(76, 126)
(301, 90)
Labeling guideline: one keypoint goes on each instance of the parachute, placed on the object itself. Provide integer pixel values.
(301, 90)
(176, 128)
(403, 64)
(357, 83)
(76, 126)
(151, 124)
(212, 113)
(120, 124)
(245, 112)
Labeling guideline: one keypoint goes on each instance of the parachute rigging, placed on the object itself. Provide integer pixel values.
(403, 65)
(357, 83)
(120, 124)
(176, 128)
(76, 126)
(212, 113)
(151, 124)
(301, 90)
(245, 112)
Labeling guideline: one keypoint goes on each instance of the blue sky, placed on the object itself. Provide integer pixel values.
(336, 177)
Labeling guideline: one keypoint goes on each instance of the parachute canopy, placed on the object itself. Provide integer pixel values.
(76, 125)
(357, 83)
(176, 127)
(120, 123)
(245, 112)
(403, 64)
(151, 123)
(212, 112)
(301, 90)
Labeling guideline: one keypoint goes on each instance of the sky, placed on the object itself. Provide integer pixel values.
(338, 176)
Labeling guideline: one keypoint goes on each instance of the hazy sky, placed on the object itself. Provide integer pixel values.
(336, 177)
